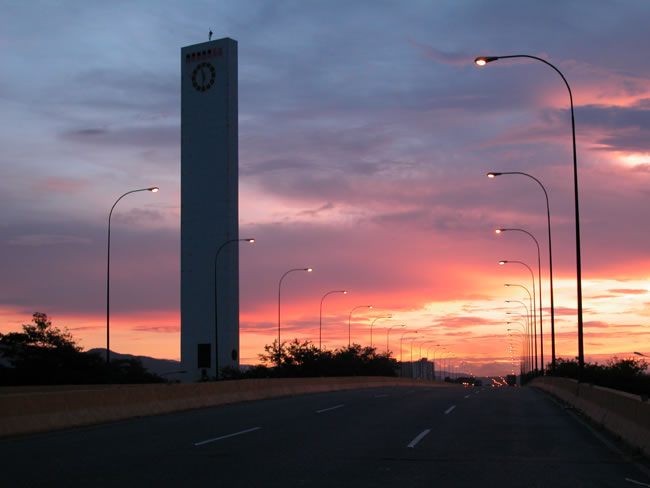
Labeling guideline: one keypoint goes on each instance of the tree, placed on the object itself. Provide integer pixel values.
(43, 354)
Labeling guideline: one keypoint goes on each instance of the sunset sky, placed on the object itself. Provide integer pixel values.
(366, 133)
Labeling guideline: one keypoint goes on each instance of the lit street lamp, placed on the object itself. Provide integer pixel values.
(309, 270)
(401, 339)
(492, 175)
(387, 336)
(482, 61)
(153, 189)
(216, 300)
(539, 289)
(373, 323)
(350, 321)
(534, 307)
(320, 321)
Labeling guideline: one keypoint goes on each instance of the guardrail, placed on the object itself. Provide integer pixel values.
(623, 414)
(26, 410)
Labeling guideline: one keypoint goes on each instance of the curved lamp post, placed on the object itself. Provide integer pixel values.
(482, 61)
(320, 320)
(309, 270)
(153, 189)
(492, 175)
(373, 323)
(387, 336)
(530, 300)
(434, 360)
(534, 308)
(350, 321)
(216, 299)
(524, 343)
(539, 289)
(401, 339)
(523, 324)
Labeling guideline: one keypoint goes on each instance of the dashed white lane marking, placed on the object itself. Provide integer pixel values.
(382, 395)
(467, 396)
(227, 436)
(418, 438)
(635, 482)
(448, 411)
(329, 408)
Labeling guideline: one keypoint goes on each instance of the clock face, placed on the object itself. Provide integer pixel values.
(203, 77)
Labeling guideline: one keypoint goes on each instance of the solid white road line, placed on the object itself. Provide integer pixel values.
(419, 437)
(329, 408)
(227, 436)
(382, 395)
(448, 411)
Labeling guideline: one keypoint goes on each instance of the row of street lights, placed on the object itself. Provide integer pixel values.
(482, 61)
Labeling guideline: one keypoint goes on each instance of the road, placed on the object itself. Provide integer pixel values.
(410, 437)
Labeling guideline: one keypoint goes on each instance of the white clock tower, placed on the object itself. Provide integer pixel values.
(209, 208)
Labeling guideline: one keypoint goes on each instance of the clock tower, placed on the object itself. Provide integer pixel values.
(209, 208)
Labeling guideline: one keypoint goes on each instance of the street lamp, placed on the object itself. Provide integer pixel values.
(524, 343)
(550, 254)
(153, 189)
(539, 289)
(400, 342)
(534, 307)
(309, 270)
(482, 61)
(373, 323)
(387, 336)
(434, 359)
(320, 321)
(350, 321)
(531, 354)
(216, 299)
(530, 301)
(422, 344)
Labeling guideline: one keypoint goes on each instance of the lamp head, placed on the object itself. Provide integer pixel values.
(309, 270)
(498, 231)
(154, 189)
(493, 175)
(345, 292)
(370, 306)
(503, 262)
(251, 240)
(483, 60)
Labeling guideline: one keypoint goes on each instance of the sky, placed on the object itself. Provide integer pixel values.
(366, 132)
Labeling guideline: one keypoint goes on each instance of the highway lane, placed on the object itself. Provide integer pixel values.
(377, 437)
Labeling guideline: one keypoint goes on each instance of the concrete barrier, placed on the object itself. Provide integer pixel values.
(26, 410)
(623, 414)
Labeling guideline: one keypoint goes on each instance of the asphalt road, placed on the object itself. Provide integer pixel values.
(397, 437)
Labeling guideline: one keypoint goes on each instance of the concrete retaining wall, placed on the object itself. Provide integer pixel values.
(36, 409)
(623, 414)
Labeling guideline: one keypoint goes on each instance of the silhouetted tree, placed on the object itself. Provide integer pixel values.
(43, 354)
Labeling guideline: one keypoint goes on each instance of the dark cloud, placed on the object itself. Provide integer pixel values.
(453, 58)
(155, 136)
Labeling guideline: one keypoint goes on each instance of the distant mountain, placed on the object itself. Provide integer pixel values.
(162, 367)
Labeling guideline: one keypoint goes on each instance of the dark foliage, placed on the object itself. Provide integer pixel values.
(297, 360)
(619, 374)
(45, 355)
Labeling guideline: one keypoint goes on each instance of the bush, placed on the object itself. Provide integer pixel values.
(300, 360)
(45, 355)
(619, 374)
